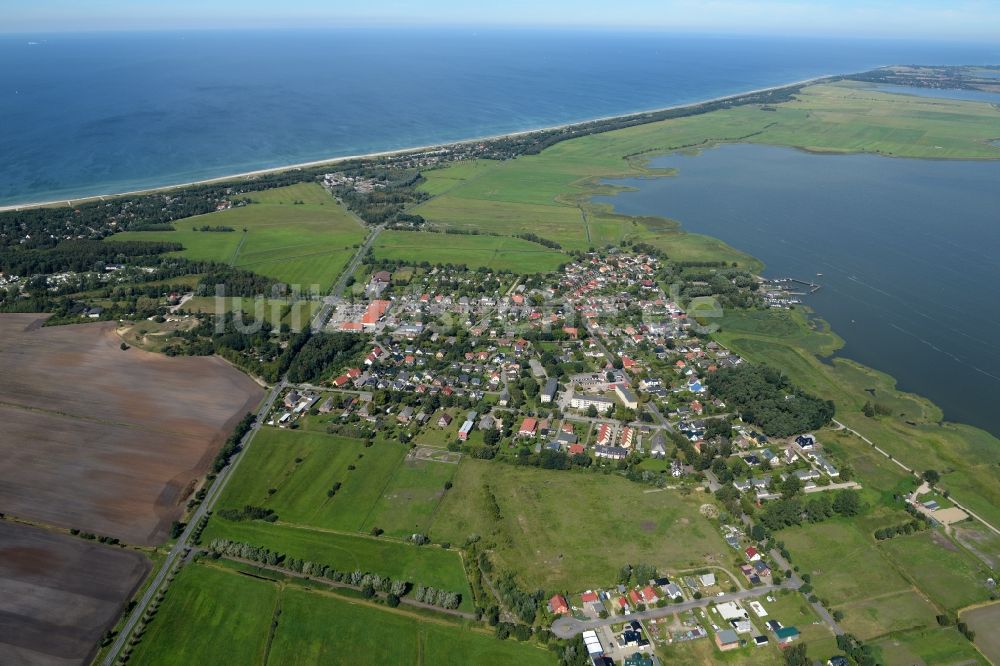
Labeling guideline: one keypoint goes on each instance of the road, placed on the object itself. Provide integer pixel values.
(567, 627)
(181, 547)
(885, 453)
(337, 291)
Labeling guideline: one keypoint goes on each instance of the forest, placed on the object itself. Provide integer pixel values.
(766, 398)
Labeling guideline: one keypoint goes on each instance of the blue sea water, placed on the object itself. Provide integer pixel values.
(904, 250)
(105, 112)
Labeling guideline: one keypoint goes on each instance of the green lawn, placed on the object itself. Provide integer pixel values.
(410, 500)
(300, 244)
(569, 530)
(209, 616)
(318, 628)
(475, 251)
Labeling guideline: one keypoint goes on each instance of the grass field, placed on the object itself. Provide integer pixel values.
(914, 433)
(495, 252)
(384, 490)
(302, 244)
(938, 645)
(374, 636)
(426, 565)
(210, 616)
(214, 614)
(275, 311)
(549, 193)
(564, 530)
(950, 577)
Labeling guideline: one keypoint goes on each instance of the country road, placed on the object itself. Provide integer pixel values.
(181, 547)
(337, 291)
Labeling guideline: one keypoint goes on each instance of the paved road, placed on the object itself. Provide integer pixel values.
(337, 292)
(181, 547)
(567, 627)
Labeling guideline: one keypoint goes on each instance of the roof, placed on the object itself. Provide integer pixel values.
(787, 632)
(728, 636)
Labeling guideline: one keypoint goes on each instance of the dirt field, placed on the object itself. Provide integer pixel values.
(105, 440)
(59, 594)
(984, 621)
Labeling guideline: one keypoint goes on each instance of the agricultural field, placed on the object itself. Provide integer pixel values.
(567, 530)
(984, 621)
(118, 438)
(475, 251)
(210, 616)
(59, 594)
(386, 489)
(214, 614)
(298, 234)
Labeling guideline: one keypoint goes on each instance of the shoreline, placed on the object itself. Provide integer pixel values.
(405, 151)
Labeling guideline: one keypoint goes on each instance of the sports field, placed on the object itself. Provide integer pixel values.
(214, 614)
(568, 530)
(304, 244)
(474, 251)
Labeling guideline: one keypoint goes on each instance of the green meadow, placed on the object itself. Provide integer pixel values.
(549, 194)
(216, 614)
(291, 472)
(914, 433)
(210, 616)
(297, 243)
(475, 251)
(569, 530)
(371, 635)
(424, 565)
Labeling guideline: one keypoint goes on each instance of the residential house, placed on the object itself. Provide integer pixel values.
(627, 397)
(549, 391)
(558, 605)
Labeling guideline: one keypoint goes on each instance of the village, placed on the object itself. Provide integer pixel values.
(598, 367)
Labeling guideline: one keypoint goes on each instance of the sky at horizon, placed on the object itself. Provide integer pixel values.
(954, 19)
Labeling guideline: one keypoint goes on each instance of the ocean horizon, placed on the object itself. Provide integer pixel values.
(100, 113)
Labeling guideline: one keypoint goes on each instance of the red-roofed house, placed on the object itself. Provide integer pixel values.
(528, 427)
(589, 597)
(752, 554)
(649, 595)
(635, 597)
(558, 605)
(575, 449)
(341, 380)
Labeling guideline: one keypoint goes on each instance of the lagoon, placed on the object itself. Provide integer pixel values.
(907, 250)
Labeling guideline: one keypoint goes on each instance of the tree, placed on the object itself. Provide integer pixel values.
(847, 502)
(758, 532)
(592, 411)
(796, 655)
(791, 486)
(932, 476)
